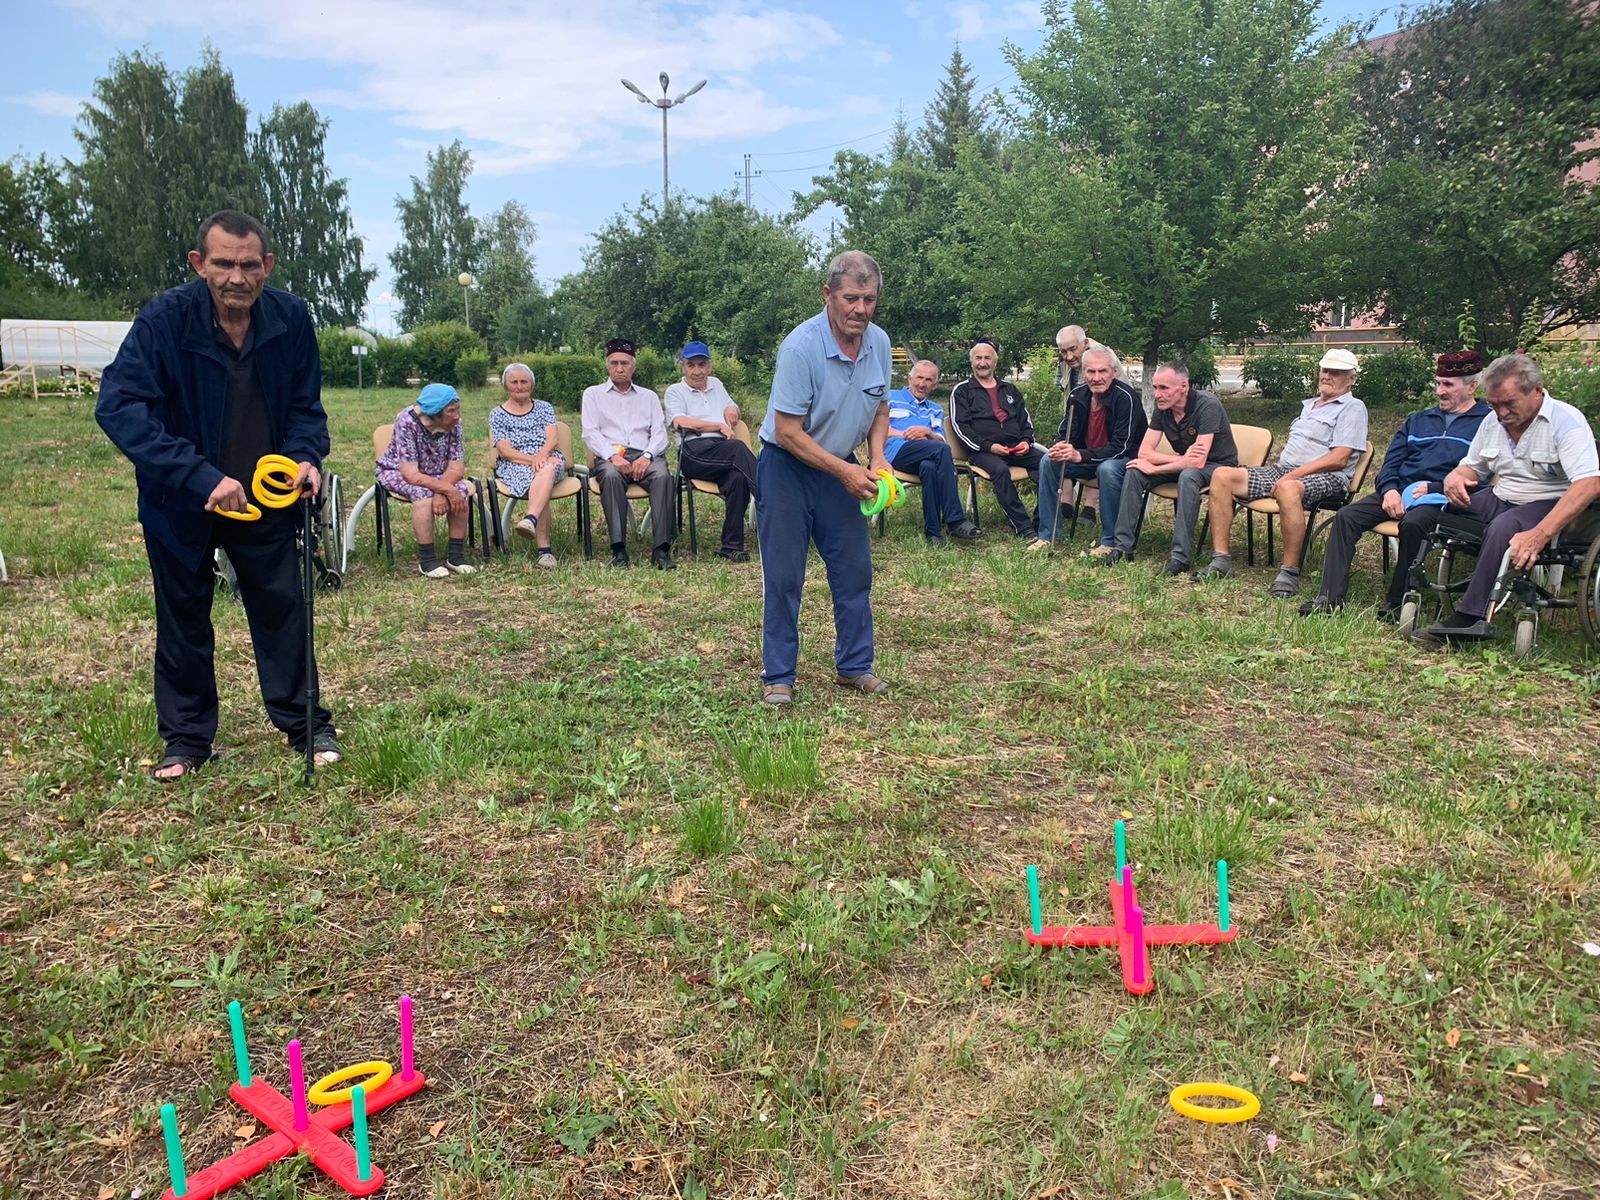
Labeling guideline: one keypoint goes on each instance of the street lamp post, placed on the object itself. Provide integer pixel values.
(466, 281)
(663, 104)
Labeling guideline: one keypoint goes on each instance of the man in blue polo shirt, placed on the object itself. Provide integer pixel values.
(829, 390)
(917, 446)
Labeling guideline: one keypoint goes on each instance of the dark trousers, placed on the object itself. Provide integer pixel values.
(1502, 522)
(999, 468)
(728, 463)
(929, 459)
(795, 506)
(265, 559)
(1360, 517)
(614, 486)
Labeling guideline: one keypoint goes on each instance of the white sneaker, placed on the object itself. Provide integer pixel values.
(546, 559)
(439, 572)
(1101, 551)
(526, 528)
(462, 568)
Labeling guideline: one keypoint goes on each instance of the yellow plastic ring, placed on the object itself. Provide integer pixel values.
(1249, 1105)
(250, 513)
(323, 1091)
(273, 483)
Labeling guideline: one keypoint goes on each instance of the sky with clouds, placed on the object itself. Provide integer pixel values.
(533, 88)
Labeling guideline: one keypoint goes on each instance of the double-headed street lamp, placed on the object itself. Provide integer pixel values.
(663, 104)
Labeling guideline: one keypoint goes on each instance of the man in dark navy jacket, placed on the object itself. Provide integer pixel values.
(212, 376)
(1410, 487)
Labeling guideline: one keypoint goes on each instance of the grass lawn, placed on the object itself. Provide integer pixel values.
(665, 942)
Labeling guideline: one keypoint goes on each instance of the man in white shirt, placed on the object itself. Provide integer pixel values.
(703, 415)
(1541, 455)
(627, 440)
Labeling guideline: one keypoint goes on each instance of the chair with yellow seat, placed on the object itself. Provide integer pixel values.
(477, 507)
(688, 488)
(965, 466)
(1267, 506)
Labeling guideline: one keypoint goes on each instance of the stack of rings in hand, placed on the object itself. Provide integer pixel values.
(273, 485)
(890, 493)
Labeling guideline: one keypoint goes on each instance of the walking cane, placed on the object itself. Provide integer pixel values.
(1061, 488)
(307, 587)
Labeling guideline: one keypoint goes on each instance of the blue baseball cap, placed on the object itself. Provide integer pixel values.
(696, 350)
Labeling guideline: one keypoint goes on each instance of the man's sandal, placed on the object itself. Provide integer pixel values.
(866, 682)
(777, 693)
(191, 764)
(325, 749)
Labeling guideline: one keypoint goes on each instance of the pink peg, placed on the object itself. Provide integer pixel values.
(407, 1069)
(1136, 935)
(297, 1086)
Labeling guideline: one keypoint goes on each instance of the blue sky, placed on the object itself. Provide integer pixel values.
(532, 87)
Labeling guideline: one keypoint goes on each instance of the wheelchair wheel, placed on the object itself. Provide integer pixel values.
(1589, 593)
(225, 578)
(1410, 607)
(1527, 632)
(330, 543)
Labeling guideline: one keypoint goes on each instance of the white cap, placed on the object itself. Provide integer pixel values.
(1339, 360)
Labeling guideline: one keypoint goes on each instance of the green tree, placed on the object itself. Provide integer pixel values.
(507, 272)
(35, 206)
(212, 166)
(1180, 177)
(952, 116)
(128, 238)
(439, 238)
(533, 321)
(307, 213)
(1481, 120)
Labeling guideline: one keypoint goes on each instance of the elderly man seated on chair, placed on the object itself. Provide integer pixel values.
(1410, 486)
(1316, 466)
(1541, 456)
(627, 439)
(1197, 428)
(990, 417)
(916, 446)
(703, 415)
(1103, 428)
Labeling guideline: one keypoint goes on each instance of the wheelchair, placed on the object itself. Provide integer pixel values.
(328, 554)
(1574, 552)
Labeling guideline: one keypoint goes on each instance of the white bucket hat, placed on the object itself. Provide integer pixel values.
(1339, 360)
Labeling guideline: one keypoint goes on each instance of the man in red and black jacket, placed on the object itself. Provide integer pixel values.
(989, 417)
(1100, 432)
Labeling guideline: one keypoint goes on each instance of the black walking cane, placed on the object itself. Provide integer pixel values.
(1061, 488)
(307, 589)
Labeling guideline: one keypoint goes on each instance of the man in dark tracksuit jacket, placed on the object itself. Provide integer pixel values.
(1101, 430)
(1410, 487)
(989, 417)
(213, 375)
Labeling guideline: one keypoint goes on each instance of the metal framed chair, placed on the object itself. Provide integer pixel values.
(688, 488)
(964, 466)
(911, 479)
(573, 486)
(1319, 516)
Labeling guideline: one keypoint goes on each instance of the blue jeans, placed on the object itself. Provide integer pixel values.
(1107, 475)
(795, 506)
(941, 495)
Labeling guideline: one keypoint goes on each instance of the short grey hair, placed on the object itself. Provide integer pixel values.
(924, 362)
(1071, 333)
(857, 266)
(1107, 353)
(1177, 366)
(1516, 369)
(513, 367)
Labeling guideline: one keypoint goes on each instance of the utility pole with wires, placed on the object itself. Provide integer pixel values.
(748, 175)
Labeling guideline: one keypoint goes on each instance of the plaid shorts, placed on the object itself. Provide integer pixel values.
(1324, 485)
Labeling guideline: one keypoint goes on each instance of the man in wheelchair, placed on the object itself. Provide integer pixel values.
(1540, 454)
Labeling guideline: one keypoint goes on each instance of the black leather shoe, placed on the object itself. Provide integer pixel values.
(619, 557)
(1174, 567)
(661, 557)
(1320, 606)
(733, 556)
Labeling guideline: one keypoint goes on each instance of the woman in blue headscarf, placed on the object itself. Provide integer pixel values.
(426, 464)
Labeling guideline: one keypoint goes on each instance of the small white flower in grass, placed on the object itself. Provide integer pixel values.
(763, 1118)
(1591, 948)
(1272, 799)
(1272, 1143)
(1377, 1099)
(135, 1194)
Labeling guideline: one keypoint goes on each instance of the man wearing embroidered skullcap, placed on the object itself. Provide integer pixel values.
(704, 416)
(1317, 464)
(1410, 487)
(626, 434)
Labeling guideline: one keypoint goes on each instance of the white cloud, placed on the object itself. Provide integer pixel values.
(50, 104)
(980, 22)
(531, 83)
